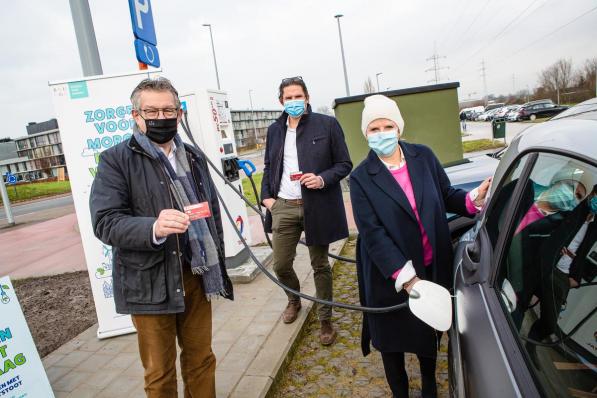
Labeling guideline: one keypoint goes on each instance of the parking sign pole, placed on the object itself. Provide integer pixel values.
(88, 52)
(6, 202)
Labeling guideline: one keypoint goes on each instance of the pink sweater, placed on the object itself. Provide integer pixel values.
(402, 177)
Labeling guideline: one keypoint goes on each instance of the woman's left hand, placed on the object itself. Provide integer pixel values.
(482, 191)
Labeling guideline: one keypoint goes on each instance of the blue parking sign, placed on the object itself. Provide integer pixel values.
(146, 53)
(142, 20)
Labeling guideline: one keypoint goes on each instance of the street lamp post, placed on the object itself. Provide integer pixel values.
(213, 50)
(253, 118)
(377, 78)
(338, 16)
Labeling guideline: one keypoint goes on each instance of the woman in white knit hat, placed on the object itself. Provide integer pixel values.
(400, 195)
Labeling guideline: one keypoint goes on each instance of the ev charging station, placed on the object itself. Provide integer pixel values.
(207, 115)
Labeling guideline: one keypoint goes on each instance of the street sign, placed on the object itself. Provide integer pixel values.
(11, 178)
(146, 53)
(142, 20)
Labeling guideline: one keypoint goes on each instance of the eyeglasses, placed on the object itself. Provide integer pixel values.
(152, 113)
(294, 79)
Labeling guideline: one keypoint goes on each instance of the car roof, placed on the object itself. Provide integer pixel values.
(575, 134)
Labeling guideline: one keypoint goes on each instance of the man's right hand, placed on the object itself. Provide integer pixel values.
(268, 203)
(171, 221)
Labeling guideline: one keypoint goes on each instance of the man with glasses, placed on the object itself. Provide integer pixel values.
(305, 159)
(168, 257)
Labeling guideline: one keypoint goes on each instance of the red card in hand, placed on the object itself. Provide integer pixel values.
(296, 175)
(197, 211)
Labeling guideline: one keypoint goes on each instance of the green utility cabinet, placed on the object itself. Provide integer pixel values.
(430, 117)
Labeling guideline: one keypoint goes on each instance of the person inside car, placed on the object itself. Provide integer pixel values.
(567, 256)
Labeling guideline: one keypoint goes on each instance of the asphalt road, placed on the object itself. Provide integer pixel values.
(41, 205)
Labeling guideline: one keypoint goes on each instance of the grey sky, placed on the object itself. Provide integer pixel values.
(259, 42)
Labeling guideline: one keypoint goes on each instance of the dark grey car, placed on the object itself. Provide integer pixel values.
(510, 272)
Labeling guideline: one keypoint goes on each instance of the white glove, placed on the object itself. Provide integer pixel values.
(406, 274)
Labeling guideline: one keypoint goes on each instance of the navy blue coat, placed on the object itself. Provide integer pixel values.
(321, 150)
(389, 236)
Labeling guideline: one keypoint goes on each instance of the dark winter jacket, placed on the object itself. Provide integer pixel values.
(321, 150)
(389, 236)
(129, 191)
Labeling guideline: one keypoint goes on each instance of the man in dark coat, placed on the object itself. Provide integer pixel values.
(167, 265)
(305, 159)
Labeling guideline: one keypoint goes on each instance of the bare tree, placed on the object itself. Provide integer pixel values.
(369, 87)
(556, 78)
(589, 72)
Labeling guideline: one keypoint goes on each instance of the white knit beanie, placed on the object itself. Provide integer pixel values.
(381, 107)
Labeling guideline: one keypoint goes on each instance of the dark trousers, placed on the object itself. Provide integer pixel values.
(157, 336)
(394, 366)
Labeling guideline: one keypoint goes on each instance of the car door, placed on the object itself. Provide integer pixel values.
(508, 287)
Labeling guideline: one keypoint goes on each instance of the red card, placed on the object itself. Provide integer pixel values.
(197, 211)
(296, 175)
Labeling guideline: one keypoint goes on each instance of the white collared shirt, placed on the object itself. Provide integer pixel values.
(290, 189)
(392, 166)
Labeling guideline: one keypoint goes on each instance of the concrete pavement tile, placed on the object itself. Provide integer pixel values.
(71, 380)
(136, 369)
(73, 359)
(225, 382)
(122, 361)
(84, 391)
(252, 387)
(101, 378)
(121, 386)
(92, 344)
(113, 346)
(54, 373)
(95, 362)
(70, 346)
(51, 359)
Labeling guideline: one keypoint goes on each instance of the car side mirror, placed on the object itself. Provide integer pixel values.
(475, 260)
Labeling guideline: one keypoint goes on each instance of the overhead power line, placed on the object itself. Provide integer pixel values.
(548, 34)
(436, 67)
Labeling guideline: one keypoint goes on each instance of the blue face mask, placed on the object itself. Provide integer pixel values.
(560, 197)
(593, 205)
(295, 108)
(384, 144)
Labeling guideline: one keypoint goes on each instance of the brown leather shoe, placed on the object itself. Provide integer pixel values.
(291, 312)
(327, 334)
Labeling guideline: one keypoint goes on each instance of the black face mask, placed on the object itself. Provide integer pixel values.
(161, 130)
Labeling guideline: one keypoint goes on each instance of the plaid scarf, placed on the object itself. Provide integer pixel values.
(204, 259)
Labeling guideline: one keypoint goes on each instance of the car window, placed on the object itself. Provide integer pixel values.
(501, 202)
(544, 277)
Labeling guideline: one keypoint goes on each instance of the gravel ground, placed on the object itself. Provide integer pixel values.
(341, 370)
(57, 308)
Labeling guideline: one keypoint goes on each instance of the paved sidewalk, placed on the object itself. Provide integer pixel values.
(24, 251)
(249, 340)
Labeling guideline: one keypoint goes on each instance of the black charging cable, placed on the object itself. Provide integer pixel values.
(352, 307)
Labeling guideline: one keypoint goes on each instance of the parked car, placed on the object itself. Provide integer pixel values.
(512, 114)
(494, 106)
(501, 112)
(539, 109)
(508, 274)
(487, 115)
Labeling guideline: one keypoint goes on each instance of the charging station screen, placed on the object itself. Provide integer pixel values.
(228, 149)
